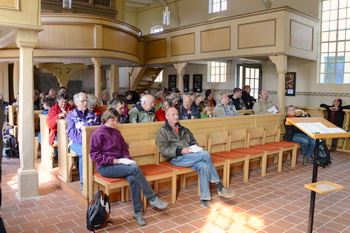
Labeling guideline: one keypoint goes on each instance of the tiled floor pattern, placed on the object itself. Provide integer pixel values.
(272, 204)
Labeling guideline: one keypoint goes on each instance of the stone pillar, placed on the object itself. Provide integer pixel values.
(180, 68)
(97, 76)
(15, 78)
(28, 182)
(281, 66)
(114, 79)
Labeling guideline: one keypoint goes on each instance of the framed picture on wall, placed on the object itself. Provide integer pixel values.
(186, 79)
(172, 82)
(290, 83)
(197, 82)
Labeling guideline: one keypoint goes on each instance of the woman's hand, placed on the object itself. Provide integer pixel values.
(115, 161)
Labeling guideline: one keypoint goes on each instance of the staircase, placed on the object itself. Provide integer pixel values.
(144, 79)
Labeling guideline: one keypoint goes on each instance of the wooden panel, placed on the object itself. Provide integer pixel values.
(119, 41)
(182, 45)
(156, 49)
(9, 4)
(66, 36)
(257, 34)
(301, 35)
(216, 40)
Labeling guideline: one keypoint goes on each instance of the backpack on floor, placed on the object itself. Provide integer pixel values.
(324, 157)
(98, 211)
(10, 145)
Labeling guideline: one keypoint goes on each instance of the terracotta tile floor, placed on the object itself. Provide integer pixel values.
(275, 203)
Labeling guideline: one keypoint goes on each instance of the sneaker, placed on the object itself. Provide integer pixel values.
(208, 204)
(139, 219)
(159, 203)
(227, 193)
(306, 161)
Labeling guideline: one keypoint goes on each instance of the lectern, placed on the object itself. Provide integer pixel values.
(317, 128)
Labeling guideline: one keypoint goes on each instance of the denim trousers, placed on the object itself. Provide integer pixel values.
(78, 149)
(202, 163)
(307, 144)
(133, 174)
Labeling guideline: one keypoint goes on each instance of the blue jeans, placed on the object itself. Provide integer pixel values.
(307, 144)
(202, 163)
(78, 149)
(133, 174)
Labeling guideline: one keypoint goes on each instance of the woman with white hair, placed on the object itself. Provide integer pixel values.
(79, 117)
(224, 108)
(104, 98)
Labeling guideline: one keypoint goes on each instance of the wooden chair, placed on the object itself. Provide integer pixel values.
(286, 146)
(222, 139)
(258, 135)
(146, 155)
(239, 142)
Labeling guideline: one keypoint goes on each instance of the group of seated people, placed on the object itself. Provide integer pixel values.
(174, 140)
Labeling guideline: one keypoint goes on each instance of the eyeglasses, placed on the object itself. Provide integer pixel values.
(83, 101)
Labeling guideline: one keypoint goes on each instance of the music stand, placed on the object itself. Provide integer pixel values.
(334, 132)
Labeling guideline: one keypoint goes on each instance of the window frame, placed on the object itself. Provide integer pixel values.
(222, 75)
(213, 5)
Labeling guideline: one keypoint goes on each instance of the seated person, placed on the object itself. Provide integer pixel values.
(128, 96)
(224, 109)
(294, 134)
(48, 102)
(197, 100)
(119, 104)
(263, 105)
(174, 141)
(187, 110)
(247, 98)
(4, 103)
(160, 113)
(60, 110)
(143, 112)
(106, 148)
(93, 106)
(79, 117)
(204, 109)
(16, 102)
(104, 100)
(175, 98)
(237, 100)
(209, 95)
(336, 116)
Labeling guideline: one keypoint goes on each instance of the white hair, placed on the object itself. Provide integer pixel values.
(77, 96)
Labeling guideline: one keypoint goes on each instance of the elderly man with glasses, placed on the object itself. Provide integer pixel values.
(143, 112)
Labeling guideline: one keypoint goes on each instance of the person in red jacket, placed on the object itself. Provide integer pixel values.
(59, 110)
(160, 114)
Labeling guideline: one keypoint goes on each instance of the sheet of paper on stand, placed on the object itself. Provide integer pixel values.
(318, 127)
(195, 148)
(126, 161)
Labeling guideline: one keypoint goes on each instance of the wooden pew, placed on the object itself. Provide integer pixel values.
(46, 149)
(132, 132)
(12, 115)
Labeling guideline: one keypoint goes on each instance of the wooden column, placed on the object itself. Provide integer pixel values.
(97, 76)
(180, 68)
(281, 65)
(114, 79)
(28, 182)
(15, 78)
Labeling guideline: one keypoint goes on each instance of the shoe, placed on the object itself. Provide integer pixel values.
(81, 186)
(306, 161)
(159, 204)
(208, 204)
(139, 219)
(227, 193)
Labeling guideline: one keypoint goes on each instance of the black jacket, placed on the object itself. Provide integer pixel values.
(339, 115)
